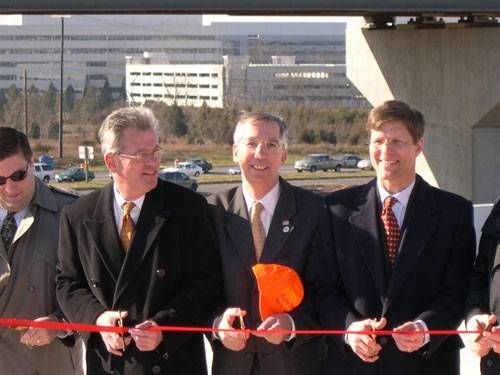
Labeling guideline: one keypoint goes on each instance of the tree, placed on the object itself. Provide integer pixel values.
(123, 91)
(104, 96)
(50, 97)
(69, 98)
(178, 119)
(35, 130)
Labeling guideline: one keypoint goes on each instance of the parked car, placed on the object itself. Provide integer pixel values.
(205, 165)
(190, 169)
(44, 172)
(179, 178)
(46, 159)
(350, 161)
(234, 170)
(365, 164)
(314, 162)
(73, 174)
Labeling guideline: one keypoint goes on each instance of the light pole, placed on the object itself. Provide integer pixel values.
(61, 92)
(61, 89)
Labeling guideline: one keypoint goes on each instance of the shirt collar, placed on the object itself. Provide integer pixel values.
(402, 196)
(120, 200)
(269, 201)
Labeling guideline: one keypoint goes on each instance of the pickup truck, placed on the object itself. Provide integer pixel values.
(314, 162)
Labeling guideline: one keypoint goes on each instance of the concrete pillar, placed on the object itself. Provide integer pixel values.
(453, 76)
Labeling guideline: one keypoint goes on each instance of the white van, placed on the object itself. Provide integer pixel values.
(44, 172)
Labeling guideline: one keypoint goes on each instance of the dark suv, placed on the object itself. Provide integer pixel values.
(179, 178)
(205, 165)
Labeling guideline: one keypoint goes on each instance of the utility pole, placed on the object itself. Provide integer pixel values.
(61, 92)
(26, 103)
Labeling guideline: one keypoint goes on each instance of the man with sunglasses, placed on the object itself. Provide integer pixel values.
(139, 253)
(29, 222)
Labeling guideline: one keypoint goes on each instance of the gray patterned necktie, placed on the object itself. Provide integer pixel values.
(9, 228)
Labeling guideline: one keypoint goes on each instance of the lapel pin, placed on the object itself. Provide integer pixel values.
(286, 229)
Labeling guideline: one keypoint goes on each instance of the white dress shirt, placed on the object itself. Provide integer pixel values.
(118, 208)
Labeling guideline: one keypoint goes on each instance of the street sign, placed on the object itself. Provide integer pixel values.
(86, 152)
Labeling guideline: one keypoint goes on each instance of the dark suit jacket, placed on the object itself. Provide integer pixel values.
(429, 280)
(170, 274)
(484, 297)
(294, 236)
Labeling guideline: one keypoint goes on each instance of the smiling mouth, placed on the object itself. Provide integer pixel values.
(259, 167)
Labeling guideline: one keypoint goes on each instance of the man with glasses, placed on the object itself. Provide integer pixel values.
(138, 253)
(265, 221)
(400, 260)
(29, 222)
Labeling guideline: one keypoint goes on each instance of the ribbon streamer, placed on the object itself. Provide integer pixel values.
(80, 327)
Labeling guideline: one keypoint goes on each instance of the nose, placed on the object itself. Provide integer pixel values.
(261, 149)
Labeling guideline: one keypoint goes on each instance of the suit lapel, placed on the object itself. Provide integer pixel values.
(238, 228)
(366, 236)
(282, 218)
(152, 219)
(420, 227)
(102, 228)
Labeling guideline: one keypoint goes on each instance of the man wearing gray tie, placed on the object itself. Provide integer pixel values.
(268, 221)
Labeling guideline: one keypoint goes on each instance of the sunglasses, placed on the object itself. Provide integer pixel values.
(16, 176)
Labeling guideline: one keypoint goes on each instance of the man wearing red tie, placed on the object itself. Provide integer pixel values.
(399, 260)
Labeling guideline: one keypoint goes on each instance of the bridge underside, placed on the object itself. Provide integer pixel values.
(269, 7)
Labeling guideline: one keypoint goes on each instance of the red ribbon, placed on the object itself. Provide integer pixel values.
(21, 323)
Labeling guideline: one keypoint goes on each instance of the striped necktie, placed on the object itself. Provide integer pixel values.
(128, 226)
(258, 231)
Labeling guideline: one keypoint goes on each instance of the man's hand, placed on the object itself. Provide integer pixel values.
(146, 340)
(409, 342)
(365, 346)
(278, 322)
(479, 344)
(235, 341)
(38, 336)
(493, 337)
(115, 343)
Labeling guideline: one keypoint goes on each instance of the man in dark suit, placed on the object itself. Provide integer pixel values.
(400, 258)
(291, 219)
(483, 303)
(140, 250)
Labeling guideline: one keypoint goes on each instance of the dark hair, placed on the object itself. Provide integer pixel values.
(12, 141)
(397, 110)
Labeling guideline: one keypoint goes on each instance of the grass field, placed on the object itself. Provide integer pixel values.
(218, 179)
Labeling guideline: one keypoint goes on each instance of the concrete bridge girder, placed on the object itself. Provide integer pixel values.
(453, 76)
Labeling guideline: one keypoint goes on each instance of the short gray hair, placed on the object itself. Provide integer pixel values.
(113, 126)
(253, 117)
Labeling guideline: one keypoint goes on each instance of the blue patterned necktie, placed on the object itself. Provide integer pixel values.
(9, 228)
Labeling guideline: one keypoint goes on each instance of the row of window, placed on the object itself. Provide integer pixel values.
(309, 87)
(107, 37)
(170, 96)
(174, 85)
(106, 50)
(317, 75)
(181, 74)
(298, 98)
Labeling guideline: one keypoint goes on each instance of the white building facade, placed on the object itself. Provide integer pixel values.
(153, 78)
(237, 82)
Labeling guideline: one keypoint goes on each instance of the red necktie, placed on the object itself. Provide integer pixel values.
(391, 228)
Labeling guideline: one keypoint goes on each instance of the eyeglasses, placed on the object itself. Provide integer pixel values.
(16, 176)
(144, 156)
(394, 143)
(272, 146)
